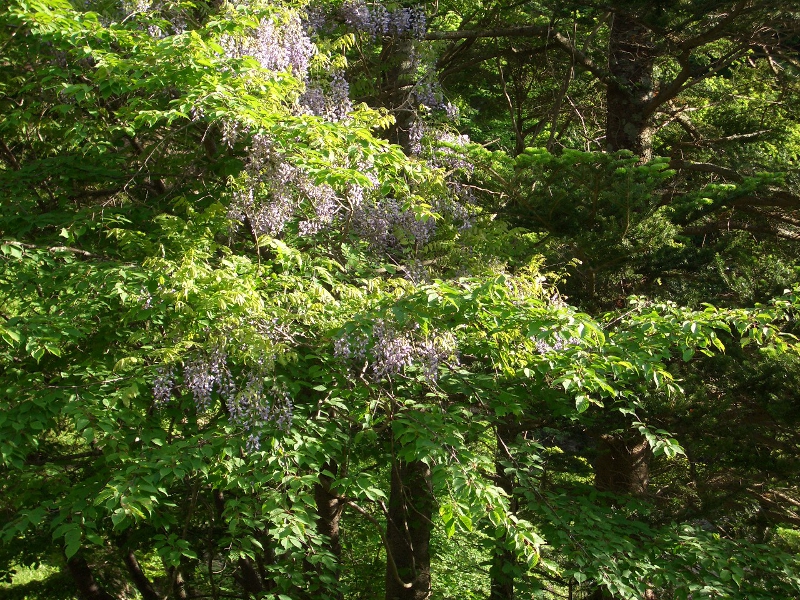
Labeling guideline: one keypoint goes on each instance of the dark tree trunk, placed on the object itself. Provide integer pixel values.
(623, 464)
(88, 588)
(622, 467)
(179, 586)
(248, 577)
(630, 63)
(251, 577)
(503, 560)
(140, 580)
(600, 594)
(408, 532)
(329, 509)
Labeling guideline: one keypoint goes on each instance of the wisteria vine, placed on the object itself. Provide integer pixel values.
(387, 351)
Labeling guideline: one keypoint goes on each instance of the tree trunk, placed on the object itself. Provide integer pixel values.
(329, 509)
(248, 577)
(408, 532)
(140, 580)
(398, 96)
(88, 588)
(630, 63)
(503, 560)
(179, 586)
(623, 465)
(600, 594)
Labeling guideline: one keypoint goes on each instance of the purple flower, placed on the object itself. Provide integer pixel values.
(558, 344)
(389, 351)
(163, 385)
(376, 21)
(206, 374)
(276, 47)
(334, 105)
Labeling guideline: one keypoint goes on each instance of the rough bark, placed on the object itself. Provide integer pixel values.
(623, 464)
(82, 575)
(408, 531)
(502, 582)
(179, 586)
(397, 90)
(329, 509)
(248, 577)
(630, 62)
(622, 467)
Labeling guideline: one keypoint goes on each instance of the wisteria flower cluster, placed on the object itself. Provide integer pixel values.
(167, 16)
(132, 7)
(387, 225)
(387, 351)
(445, 152)
(272, 192)
(276, 46)
(415, 134)
(558, 344)
(428, 93)
(256, 401)
(377, 21)
(202, 376)
(416, 272)
(333, 105)
(163, 386)
(265, 197)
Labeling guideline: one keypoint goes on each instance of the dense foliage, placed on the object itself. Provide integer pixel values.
(359, 300)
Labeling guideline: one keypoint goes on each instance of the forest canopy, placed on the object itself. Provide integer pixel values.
(360, 300)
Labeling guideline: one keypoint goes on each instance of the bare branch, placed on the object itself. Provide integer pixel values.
(717, 31)
(683, 165)
(701, 142)
(8, 156)
(52, 249)
(534, 31)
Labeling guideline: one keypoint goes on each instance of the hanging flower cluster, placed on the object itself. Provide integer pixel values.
(276, 46)
(376, 20)
(558, 344)
(333, 104)
(388, 351)
(273, 191)
(257, 400)
(387, 225)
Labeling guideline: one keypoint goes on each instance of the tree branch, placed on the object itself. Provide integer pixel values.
(140, 580)
(389, 557)
(717, 31)
(8, 156)
(52, 249)
(700, 142)
(682, 165)
(534, 31)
